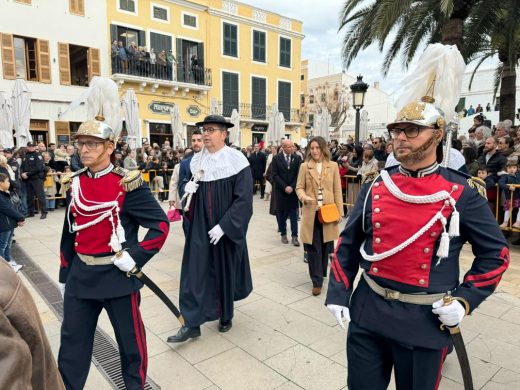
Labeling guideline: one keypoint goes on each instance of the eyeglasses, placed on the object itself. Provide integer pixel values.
(410, 131)
(210, 130)
(91, 145)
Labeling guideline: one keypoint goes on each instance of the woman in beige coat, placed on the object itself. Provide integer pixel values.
(318, 172)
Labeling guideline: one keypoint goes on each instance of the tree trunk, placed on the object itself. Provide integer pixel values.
(452, 33)
(508, 92)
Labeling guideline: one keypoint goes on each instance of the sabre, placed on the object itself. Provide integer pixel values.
(460, 348)
(136, 271)
(452, 126)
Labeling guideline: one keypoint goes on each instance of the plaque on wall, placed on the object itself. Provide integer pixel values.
(259, 128)
(193, 111)
(161, 108)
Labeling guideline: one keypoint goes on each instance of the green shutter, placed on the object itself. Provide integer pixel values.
(230, 40)
(229, 92)
(259, 46)
(284, 99)
(258, 106)
(285, 52)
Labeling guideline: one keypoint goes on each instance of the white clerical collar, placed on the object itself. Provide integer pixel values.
(222, 164)
(97, 175)
(420, 172)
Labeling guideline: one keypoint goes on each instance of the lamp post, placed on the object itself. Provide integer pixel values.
(358, 89)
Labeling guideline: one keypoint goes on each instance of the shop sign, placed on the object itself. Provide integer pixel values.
(259, 128)
(161, 108)
(193, 111)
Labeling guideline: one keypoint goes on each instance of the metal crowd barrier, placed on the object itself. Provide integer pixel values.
(510, 226)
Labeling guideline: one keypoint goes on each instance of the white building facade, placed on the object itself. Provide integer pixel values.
(323, 87)
(57, 46)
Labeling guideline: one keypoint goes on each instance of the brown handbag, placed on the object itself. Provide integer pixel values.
(328, 213)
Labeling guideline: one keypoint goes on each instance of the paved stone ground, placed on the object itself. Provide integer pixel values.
(283, 338)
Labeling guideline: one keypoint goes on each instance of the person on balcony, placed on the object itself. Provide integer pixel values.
(123, 57)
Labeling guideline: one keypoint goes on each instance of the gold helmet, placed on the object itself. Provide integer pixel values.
(98, 128)
(422, 113)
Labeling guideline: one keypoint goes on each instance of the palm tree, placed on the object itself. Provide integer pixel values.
(415, 22)
(493, 30)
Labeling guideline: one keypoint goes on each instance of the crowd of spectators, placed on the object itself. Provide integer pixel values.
(479, 109)
(139, 61)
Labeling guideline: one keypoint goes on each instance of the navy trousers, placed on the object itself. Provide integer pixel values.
(281, 218)
(77, 337)
(371, 358)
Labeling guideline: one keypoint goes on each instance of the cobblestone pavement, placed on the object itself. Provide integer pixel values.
(283, 338)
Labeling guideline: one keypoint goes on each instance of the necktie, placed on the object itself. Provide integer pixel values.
(288, 158)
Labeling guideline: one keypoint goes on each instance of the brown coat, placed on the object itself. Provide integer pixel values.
(26, 360)
(308, 183)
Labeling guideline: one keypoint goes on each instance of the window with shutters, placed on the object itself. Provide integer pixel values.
(159, 42)
(284, 99)
(77, 7)
(78, 64)
(285, 52)
(259, 46)
(26, 57)
(189, 20)
(258, 98)
(127, 5)
(230, 39)
(160, 13)
(229, 93)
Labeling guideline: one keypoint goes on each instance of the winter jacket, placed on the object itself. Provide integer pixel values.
(9, 216)
(504, 181)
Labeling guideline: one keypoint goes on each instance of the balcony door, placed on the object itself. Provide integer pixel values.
(190, 61)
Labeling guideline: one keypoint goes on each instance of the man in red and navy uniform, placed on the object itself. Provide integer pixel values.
(406, 233)
(106, 205)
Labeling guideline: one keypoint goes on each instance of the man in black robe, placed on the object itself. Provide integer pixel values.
(215, 266)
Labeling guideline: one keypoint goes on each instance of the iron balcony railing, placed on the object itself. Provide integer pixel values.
(160, 70)
(258, 112)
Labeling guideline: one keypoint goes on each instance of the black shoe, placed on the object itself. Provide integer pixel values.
(184, 334)
(224, 326)
(261, 197)
(305, 259)
(43, 216)
(29, 215)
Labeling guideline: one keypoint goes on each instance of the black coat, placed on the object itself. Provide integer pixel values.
(282, 177)
(9, 216)
(495, 164)
(257, 161)
(32, 164)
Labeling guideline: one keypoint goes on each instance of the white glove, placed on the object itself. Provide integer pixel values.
(61, 287)
(124, 262)
(191, 187)
(215, 234)
(450, 315)
(340, 312)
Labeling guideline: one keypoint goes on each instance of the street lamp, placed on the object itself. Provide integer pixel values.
(358, 89)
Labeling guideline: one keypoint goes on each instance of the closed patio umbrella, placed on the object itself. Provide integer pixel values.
(21, 100)
(176, 128)
(133, 124)
(234, 132)
(6, 121)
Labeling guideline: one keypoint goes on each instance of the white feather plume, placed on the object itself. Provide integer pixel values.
(101, 98)
(441, 63)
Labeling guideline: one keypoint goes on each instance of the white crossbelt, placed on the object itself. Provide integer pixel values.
(392, 295)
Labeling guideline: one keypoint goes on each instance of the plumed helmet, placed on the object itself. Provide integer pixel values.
(103, 110)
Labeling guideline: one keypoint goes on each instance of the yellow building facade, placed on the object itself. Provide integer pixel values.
(208, 56)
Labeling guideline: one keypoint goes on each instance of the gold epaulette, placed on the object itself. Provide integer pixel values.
(478, 184)
(131, 179)
(66, 179)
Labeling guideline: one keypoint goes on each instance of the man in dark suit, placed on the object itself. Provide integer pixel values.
(286, 166)
(257, 161)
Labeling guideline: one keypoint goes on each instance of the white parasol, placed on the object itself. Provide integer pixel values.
(6, 121)
(213, 108)
(234, 132)
(270, 136)
(133, 124)
(21, 112)
(280, 128)
(176, 128)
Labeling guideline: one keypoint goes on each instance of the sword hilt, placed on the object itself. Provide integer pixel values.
(448, 300)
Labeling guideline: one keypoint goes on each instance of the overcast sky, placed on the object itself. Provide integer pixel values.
(323, 42)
